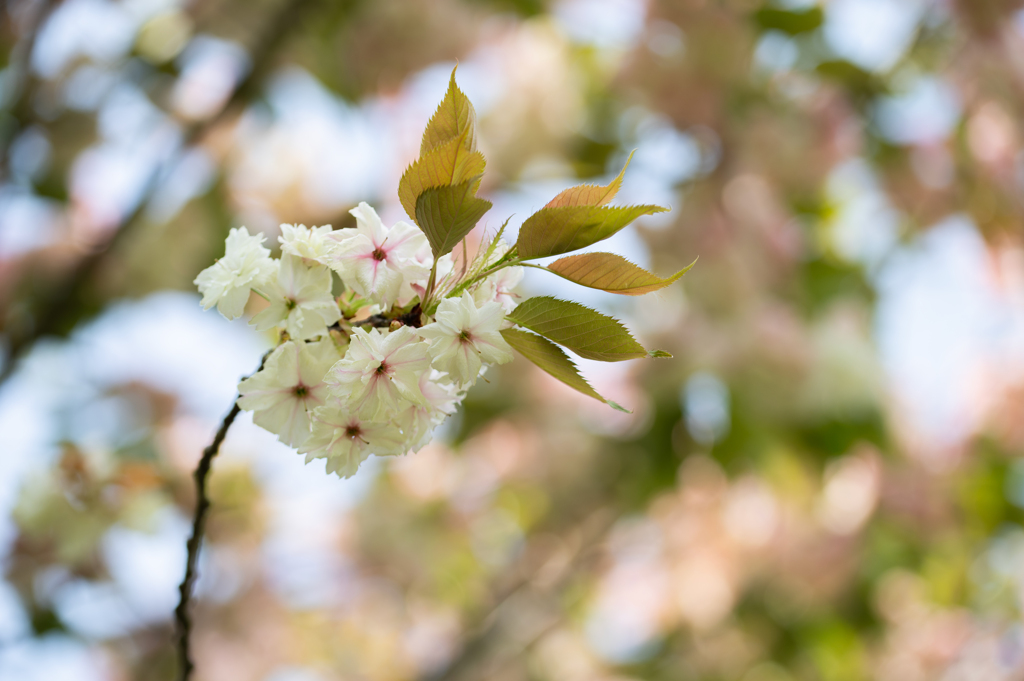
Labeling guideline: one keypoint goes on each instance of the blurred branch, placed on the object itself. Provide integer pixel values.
(592, 531)
(182, 621)
(53, 309)
(21, 69)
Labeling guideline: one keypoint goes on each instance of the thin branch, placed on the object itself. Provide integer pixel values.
(181, 616)
(183, 623)
(377, 321)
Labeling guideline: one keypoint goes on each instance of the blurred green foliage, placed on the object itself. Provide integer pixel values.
(806, 528)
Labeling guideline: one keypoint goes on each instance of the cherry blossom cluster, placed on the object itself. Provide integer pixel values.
(379, 341)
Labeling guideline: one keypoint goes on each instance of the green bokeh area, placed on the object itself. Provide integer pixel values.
(824, 482)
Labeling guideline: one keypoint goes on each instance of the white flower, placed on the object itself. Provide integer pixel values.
(307, 242)
(498, 287)
(226, 283)
(419, 420)
(380, 372)
(417, 287)
(375, 261)
(288, 387)
(465, 337)
(300, 300)
(346, 439)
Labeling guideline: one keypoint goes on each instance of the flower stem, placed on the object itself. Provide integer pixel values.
(502, 264)
(428, 295)
(183, 623)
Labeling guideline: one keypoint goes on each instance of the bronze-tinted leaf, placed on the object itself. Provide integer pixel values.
(449, 163)
(454, 118)
(590, 194)
(612, 273)
(553, 231)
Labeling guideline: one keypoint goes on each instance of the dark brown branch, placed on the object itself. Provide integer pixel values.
(182, 620)
(413, 317)
(53, 311)
(183, 624)
(377, 321)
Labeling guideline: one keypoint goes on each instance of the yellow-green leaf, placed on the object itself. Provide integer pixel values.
(447, 214)
(590, 194)
(586, 332)
(448, 164)
(612, 273)
(455, 117)
(553, 360)
(562, 229)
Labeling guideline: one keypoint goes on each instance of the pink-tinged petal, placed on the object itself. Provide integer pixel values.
(404, 241)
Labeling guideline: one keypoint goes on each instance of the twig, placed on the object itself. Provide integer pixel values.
(413, 317)
(183, 623)
(377, 321)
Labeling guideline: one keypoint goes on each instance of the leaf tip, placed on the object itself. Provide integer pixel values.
(626, 165)
(654, 354)
(618, 407)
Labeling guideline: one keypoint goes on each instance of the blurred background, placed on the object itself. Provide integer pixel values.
(826, 482)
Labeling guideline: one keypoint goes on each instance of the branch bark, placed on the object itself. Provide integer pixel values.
(183, 623)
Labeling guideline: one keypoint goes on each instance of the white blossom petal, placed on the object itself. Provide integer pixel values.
(380, 372)
(307, 242)
(288, 387)
(300, 299)
(375, 261)
(346, 438)
(246, 264)
(464, 337)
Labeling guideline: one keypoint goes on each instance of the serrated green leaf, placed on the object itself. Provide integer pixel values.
(449, 163)
(586, 332)
(590, 194)
(554, 361)
(611, 273)
(447, 214)
(553, 231)
(455, 117)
